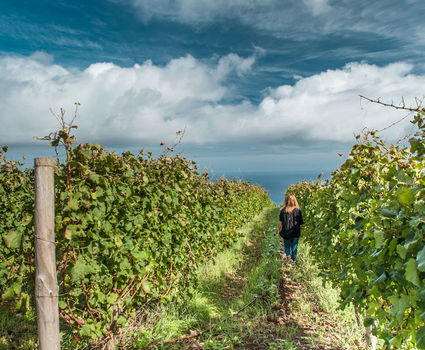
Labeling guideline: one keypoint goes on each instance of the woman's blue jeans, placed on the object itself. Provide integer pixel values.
(291, 246)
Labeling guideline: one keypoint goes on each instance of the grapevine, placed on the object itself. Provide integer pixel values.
(130, 229)
(367, 226)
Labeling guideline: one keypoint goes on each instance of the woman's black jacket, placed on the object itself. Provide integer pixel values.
(291, 223)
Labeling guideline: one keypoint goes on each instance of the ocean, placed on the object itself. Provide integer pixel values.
(275, 183)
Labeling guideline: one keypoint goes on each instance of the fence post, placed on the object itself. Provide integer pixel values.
(46, 286)
(371, 340)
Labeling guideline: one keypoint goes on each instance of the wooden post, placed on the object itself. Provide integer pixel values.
(46, 286)
(371, 339)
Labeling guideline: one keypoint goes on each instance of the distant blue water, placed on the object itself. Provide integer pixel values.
(275, 183)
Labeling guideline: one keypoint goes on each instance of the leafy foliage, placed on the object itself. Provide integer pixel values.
(366, 225)
(129, 229)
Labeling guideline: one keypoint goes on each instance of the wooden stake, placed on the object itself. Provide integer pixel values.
(46, 286)
(371, 340)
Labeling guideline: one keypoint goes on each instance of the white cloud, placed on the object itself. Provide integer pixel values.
(234, 62)
(327, 106)
(317, 6)
(299, 20)
(148, 103)
(197, 11)
(141, 103)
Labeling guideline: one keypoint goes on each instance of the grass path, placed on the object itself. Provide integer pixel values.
(292, 309)
(309, 311)
(306, 315)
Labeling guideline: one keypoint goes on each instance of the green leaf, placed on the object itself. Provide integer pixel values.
(368, 322)
(118, 242)
(13, 290)
(402, 251)
(390, 213)
(420, 258)
(411, 242)
(94, 178)
(421, 294)
(420, 338)
(73, 204)
(24, 302)
(80, 270)
(26, 220)
(9, 293)
(406, 196)
(395, 342)
(412, 273)
(399, 306)
(13, 239)
(415, 222)
(121, 320)
(101, 297)
(380, 279)
(379, 239)
(146, 286)
(88, 330)
(111, 298)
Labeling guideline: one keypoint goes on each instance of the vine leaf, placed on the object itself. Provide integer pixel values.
(412, 273)
(399, 306)
(13, 290)
(420, 338)
(421, 260)
(402, 251)
(406, 196)
(379, 239)
(12, 239)
(146, 286)
(80, 270)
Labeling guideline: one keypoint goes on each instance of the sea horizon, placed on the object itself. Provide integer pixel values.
(274, 182)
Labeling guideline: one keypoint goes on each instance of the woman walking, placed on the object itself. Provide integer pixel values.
(290, 221)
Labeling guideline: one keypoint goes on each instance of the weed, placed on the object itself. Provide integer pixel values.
(17, 331)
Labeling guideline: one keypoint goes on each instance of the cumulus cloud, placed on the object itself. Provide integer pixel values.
(148, 103)
(327, 106)
(137, 104)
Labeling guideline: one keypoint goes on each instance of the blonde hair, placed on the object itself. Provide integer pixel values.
(290, 203)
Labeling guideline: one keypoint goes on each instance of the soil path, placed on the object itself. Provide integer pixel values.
(286, 329)
(307, 335)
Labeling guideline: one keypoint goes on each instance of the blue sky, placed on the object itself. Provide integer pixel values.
(257, 85)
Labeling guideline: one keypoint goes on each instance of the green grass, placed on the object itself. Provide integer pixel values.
(317, 303)
(17, 331)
